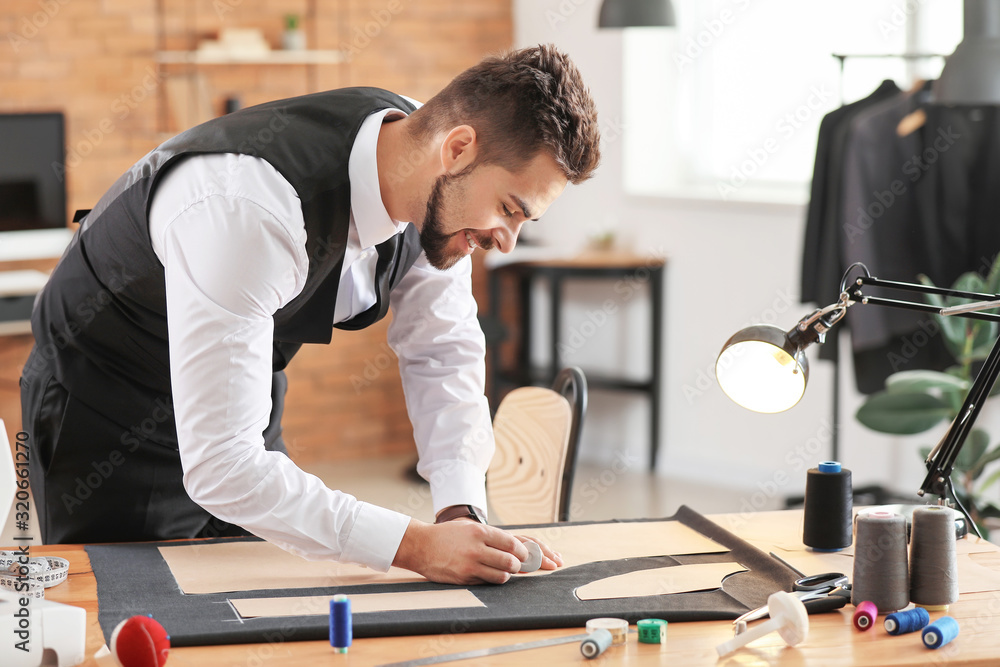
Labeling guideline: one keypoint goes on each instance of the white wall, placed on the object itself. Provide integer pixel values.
(730, 264)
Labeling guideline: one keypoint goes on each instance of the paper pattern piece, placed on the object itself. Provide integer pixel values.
(319, 605)
(976, 578)
(225, 567)
(592, 543)
(660, 581)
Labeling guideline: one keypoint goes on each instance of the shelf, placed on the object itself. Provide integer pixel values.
(34, 244)
(17, 328)
(276, 57)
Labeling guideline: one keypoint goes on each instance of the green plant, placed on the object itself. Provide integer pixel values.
(915, 401)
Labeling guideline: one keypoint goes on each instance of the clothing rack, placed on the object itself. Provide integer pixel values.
(842, 57)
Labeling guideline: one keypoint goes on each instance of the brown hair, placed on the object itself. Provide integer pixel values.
(521, 102)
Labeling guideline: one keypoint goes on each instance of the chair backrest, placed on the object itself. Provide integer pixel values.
(532, 427)
(572, 384)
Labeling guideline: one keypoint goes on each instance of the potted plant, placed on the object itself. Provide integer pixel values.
(916, 401)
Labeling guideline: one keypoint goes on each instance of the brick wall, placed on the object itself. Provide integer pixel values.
(94, 60)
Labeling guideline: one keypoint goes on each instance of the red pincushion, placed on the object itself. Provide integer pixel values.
(140, 642)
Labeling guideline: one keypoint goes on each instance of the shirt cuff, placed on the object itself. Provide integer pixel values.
(375, 537)
(457, 483)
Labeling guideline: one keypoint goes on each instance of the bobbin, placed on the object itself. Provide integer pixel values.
(596, 643)
(904, 622)
(940, 632)
(864, 615)
(341, 625)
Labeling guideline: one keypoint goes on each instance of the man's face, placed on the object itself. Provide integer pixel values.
(485, 208)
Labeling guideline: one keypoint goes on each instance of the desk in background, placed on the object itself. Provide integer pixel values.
(832, 642)
(635, 273)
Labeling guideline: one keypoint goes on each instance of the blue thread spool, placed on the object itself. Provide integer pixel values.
(904, 622)
(940, 632)
(595, 644)
(340, 623)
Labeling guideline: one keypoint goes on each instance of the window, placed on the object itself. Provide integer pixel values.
(727, 105)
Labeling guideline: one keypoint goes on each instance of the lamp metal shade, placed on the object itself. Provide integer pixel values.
(761, 370)
(636, 14)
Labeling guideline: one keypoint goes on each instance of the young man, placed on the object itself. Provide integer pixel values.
(163, 333)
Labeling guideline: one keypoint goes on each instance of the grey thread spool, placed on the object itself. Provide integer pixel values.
(826, 522)
(933, 562)
(880, 568)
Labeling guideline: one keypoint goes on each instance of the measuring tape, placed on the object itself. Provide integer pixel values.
(41, 573)
(493, 650)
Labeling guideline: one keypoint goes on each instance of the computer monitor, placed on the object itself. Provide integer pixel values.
(32, 171)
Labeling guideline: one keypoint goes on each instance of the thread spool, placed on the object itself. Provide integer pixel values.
(596, 643)
(341, 628)
(933, 561)
(865, 615)
(618, 627)
(940, 632)
(829, 504)
(880, 566)
(905, 622)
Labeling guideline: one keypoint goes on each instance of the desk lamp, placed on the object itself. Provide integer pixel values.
(764, 368)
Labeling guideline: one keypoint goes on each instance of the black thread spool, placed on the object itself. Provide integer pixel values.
(933, 559)
(829, 505)
(881, 575)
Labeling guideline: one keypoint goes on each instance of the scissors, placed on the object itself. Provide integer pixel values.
(808, 588)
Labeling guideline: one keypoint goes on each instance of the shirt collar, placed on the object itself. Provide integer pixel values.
(372, 221)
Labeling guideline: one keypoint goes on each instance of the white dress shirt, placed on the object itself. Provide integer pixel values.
(230, 234)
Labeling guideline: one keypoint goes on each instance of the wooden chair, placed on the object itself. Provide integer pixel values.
(537, 434)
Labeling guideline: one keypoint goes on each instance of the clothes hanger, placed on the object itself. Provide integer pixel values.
(914, 120)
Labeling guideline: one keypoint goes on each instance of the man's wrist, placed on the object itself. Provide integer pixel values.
(460, 512)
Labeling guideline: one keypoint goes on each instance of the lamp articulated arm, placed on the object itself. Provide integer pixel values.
(941, 460)
(780, 356)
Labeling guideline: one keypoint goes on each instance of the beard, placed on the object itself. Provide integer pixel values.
(433, 238)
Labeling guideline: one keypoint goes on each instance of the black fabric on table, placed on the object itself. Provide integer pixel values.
(134, 579)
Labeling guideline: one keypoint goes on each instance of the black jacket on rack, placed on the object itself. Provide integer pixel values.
(905, 203)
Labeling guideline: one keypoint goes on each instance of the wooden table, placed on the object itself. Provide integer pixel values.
(832, 640)
(628, 274)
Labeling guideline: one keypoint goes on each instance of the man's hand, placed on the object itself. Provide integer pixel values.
(464, 552)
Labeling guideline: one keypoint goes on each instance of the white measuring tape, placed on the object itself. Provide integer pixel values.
(494, 650)
(39, 573)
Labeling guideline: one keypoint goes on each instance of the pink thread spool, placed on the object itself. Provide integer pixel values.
(864, 615)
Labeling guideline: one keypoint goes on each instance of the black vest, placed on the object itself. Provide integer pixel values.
(101, 323)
